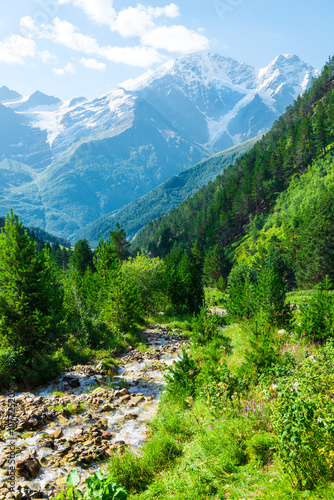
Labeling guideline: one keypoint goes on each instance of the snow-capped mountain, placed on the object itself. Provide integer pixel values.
(82, 159)
(219, 102)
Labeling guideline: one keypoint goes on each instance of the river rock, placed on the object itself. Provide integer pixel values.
(122, 392)
(72, 381)
(131, 416)
(61, 481)
(107, 407)
(64, 452)
(125, 398)
(108, 435)
(28, 468)
(57, 433)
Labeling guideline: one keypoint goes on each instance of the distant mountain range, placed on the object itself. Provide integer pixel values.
(162, 199)
(64, 165)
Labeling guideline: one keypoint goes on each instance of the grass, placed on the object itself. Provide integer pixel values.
(115, 383)
(70, 409)
(58, 393)
(181, 323)
(214, 297)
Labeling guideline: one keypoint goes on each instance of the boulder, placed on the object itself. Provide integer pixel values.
(57, 433)
(28, 468)
(72, 381)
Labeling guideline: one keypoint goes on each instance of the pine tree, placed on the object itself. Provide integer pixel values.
(30, 300)
(82, 256)
(216, 265)
(190, 284)
(119, 243)
(321, 129)
(106, 259)
(271, 294)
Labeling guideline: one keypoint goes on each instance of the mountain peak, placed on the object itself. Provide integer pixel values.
(286, 70)
(7, 94)
(201, 67)
(39, 100)
(286, 60)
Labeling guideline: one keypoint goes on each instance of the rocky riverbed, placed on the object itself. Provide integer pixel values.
(81, 418)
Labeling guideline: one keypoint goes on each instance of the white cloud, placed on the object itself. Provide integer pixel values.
(92, 63)
(66, 34)
(136, 21)
(140, 21)
(62, 32)
(100, 11)
(142, 57)
(15, 48)
(27, 26)
(133, 22)
(69, 68)
(175, 39)
(171, 10)
(47, 58)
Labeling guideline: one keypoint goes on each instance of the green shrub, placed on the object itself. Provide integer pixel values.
(243, 302)
(99, 486)
(239, 274)
(221, 284)
(303, 418)
(124, 306)
(30, 371)
(205, 327)
(218, 384)
(263, 351)
(262, 446)
(10, 360)
(181, 378)
(162, 450)
(317, 315)
(306, 442)
(131, 470)
(271, 295)
(250, 294)
(31, 313)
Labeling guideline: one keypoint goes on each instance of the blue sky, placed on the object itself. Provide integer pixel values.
(72, 48)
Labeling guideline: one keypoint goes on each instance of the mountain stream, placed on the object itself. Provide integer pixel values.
(49, 441)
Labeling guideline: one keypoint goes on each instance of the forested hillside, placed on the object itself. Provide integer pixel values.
(41, 237)
(300, 227)
(221, 211)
